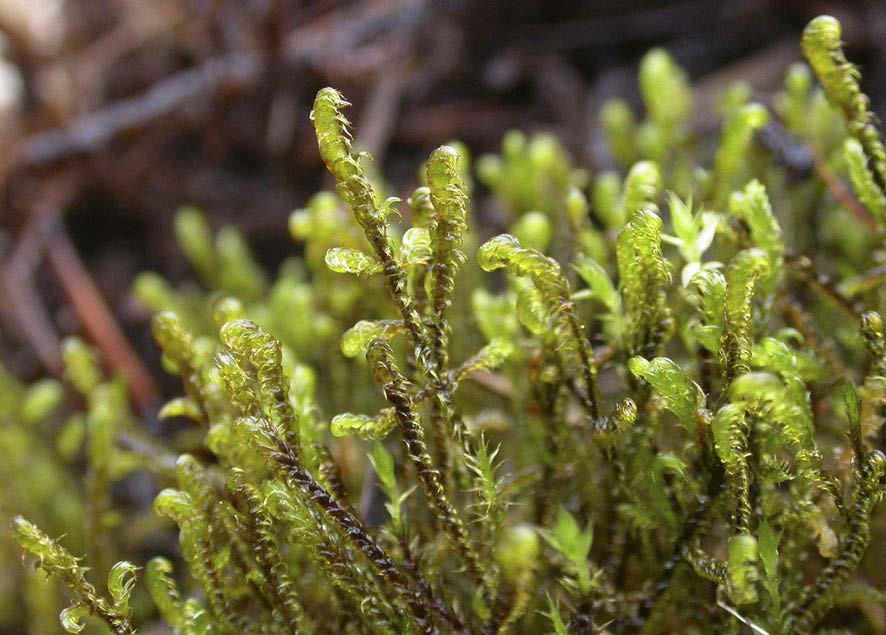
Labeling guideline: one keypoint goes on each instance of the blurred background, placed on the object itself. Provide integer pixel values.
(114, 113)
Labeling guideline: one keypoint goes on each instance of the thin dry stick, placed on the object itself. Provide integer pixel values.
(97, 318)
(306, 45)
(840, 191)
(23, 300)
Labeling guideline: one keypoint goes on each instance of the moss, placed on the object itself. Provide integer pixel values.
(588, 444)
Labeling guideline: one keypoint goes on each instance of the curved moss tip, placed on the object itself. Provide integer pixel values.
(825, 30)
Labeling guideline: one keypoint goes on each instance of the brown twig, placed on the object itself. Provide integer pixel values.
(22, 299)
(24, 303)
(97, 318)
(143, 23)
(92, 131)
(824, 347)
(803, 268)
(380, 112)
(840, 191)
(307, 45)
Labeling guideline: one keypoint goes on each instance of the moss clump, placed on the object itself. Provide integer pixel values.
(647, 422)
